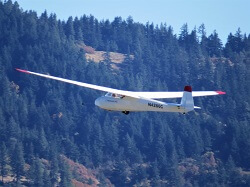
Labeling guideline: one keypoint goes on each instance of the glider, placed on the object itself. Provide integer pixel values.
(126, 101)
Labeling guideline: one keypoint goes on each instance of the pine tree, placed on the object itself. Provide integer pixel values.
(235, 151)
(3, 160)
(42, 143)
(54, 168)
(230, 167)
(214, 45)
(160, 154)
(183, 37)
(207, 140)
(46, 178)
(36, 173)
(121, 174)
(97, 154)
(140, 173)
(180, 148)
(13, 129)
(133, 155)
(17, 161)
(69, 28)
(155, 173)
(110, 136)
(172, 172)
(65, 174)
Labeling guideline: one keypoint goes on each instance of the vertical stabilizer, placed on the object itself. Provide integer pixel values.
(187, 101)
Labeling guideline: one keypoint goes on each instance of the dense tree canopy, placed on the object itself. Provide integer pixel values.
(40, 120)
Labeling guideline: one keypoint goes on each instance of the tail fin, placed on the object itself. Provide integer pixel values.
(187, 99)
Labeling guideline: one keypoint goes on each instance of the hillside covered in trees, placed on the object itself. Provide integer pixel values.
(51, 133)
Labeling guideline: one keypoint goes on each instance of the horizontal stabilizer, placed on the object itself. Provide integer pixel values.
(196, 107)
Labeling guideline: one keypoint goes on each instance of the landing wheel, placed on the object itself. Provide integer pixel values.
(125, 112)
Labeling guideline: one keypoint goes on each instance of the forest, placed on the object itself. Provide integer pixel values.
(49, 128)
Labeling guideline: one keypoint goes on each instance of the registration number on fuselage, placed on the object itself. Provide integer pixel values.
(156, 105)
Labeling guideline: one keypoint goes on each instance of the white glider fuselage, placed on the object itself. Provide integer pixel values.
(131, 104)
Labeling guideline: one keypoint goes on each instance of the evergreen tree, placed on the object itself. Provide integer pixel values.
(207, 140)
(46, 178)
(65, 174)
(36, 173)
(184, 34)
(235, 151)
(17, 161)
(155, 173)
(42, 142)
(69, 28)
(131, 150)
(140, 173)
(120, 176)
(230, 168)
(3, 160)
(54, 168)
(214, 45)
(180, 148)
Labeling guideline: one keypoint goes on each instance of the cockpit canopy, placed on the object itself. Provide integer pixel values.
(113, 95)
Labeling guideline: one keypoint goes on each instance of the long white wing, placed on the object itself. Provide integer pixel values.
(92, 86)
(150, 95)
(165, 95)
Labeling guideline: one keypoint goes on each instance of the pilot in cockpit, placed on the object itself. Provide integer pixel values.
(114, 95)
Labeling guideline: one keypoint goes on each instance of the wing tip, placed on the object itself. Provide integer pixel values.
(23, 71)
(220, 92)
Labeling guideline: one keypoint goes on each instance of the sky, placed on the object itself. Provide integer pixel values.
(224, 16)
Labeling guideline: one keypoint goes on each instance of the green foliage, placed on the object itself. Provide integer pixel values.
(65, 177)
(17, 161)
(3, 160)
(43, 119)
(36, 173)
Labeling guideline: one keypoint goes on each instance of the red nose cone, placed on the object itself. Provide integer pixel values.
(188, 89)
